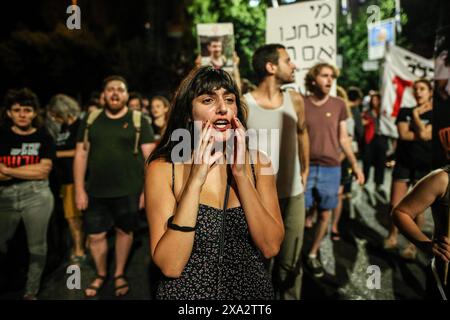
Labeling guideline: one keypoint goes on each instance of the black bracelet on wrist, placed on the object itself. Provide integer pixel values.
(177, 227)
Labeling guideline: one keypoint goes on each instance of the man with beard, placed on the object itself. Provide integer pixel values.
(112, 150)
(281, 114)
(326, 122)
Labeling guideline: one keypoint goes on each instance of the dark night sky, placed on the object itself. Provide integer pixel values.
(129, 15)
(127, 18)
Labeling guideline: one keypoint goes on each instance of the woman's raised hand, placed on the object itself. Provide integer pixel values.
(238, 167)
(202, 157)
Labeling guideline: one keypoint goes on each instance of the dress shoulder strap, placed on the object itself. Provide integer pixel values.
(173, 178)
(253, 168)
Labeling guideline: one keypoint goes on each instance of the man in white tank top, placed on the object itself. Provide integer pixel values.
(278, 118)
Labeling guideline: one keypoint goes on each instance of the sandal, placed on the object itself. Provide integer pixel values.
(29, 296)
(122, 286)
(335, 236)
(95, 288)
(409, 253)
(78, 259)
(389, 244)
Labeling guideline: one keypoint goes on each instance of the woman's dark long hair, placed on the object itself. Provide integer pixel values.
(199, 81)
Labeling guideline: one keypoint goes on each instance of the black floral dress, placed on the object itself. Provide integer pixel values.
(224, 264)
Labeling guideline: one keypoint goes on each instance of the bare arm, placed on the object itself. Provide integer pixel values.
(302, 136)
(261, 207)
(147, 149)
(405, 133)
(79, 174)
(424, 193)
(171, 249)
(3, 177)
(39, 171)
(423, 131)
(260, 202)
(65, 154)
(346, 146)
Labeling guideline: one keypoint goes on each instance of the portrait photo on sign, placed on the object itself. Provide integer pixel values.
(216, 44)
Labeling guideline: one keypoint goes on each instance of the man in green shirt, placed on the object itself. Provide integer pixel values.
(108, 173)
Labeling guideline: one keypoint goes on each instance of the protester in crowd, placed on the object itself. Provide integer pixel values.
(159, 110)
(431, 191)
(27, 153)
(65, 111)
(413, 154)
(276, 112)
(327, 127)
(135, 101)
(376, 144)
(212, 220)
(345, 186)
(112, 194)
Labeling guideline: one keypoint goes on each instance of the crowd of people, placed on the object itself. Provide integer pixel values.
(226, 220)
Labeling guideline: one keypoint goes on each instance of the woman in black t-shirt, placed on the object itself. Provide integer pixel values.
(26, 155)
(413, 154)
(65, 111)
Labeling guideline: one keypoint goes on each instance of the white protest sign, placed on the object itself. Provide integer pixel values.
(401, 69)
(307, 30)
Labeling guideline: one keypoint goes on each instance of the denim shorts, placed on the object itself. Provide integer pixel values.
(323, 187)
(104, 213)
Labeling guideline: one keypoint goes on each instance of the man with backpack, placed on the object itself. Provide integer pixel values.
(112, 144)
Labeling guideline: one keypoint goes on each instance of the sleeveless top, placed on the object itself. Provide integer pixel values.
(440, 207)
(224, 264)
(282, 149)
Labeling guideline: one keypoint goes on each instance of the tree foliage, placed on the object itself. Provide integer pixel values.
(250, 23)
(353, 46)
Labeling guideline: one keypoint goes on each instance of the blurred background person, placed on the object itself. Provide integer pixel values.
(345, 186)
(65, 111)
(376, 144)
(135, 101)
(159, 109)
(413, 155)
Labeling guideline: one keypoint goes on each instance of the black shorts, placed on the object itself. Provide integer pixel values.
(346, 176)
(402, 172)
(104, 213)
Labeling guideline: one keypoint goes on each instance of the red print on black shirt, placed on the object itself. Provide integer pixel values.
(27, 154)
